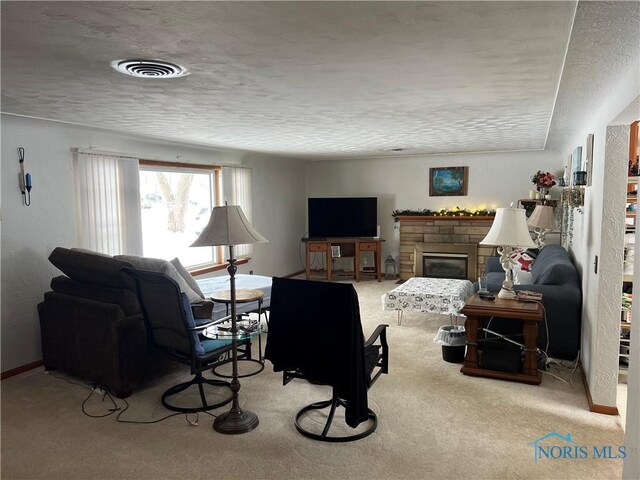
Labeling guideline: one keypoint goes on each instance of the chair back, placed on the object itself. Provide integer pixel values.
(315, 329)
(163, 306)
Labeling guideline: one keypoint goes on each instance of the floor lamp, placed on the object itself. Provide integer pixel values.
(228, 226)
(508, 230)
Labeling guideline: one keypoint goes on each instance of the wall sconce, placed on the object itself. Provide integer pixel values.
(25, 180)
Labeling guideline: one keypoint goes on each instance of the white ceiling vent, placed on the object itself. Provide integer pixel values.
(149, 68)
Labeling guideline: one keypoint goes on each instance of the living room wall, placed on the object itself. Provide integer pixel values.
(29, 234)
(402, 182)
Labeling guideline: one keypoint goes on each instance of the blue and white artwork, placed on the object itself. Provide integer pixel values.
(448, 181)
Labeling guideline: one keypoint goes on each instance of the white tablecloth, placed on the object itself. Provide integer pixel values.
(433, 295)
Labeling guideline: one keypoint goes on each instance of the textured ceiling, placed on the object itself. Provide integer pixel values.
(308, 79)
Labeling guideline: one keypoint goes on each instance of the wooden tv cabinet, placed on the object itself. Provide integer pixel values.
(349, 248)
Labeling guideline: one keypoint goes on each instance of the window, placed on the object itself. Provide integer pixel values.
(175, 206)
(156, 209)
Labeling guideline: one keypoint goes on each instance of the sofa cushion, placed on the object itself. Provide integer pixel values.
(522, 277)
(162, 266)
(554, 267)
(187, 276)
(91, 267)
(524, 258)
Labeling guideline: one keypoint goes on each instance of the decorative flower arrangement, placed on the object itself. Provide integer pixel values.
(543, 180)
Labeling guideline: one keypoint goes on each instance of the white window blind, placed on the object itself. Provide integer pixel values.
(236, 187)
(108, 210)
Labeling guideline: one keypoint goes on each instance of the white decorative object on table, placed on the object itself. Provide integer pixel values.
(432, 295)
(509, 230)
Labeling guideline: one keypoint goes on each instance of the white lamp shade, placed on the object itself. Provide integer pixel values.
(228, 225)
(509, 228)
(542, 217)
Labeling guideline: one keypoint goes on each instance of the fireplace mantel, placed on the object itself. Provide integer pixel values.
(405, 218)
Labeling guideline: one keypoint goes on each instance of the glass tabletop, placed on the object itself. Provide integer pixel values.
(246, 329)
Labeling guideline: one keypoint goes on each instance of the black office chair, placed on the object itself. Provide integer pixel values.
(315, 334)
(172, 328)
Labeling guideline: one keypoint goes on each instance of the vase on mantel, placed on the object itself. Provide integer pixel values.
(543, 192)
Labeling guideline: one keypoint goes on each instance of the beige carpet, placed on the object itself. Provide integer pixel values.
(434, 423)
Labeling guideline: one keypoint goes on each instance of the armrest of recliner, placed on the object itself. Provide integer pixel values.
(380, 333)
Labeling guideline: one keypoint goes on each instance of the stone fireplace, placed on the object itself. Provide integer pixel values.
(418, 231)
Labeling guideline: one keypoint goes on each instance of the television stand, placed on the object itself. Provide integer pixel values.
(349, 248)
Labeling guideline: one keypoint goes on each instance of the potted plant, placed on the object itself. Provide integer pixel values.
(572, 200)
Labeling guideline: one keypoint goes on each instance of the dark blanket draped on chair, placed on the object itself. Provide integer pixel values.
(315, 330)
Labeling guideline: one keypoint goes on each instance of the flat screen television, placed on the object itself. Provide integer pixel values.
(343, 217)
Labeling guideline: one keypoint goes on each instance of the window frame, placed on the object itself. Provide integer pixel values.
(218, 195)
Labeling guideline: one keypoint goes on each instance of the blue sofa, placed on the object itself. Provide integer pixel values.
(555, 276)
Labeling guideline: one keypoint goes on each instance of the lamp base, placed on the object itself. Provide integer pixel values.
(234, 422)
(507, 294)
(540, 239)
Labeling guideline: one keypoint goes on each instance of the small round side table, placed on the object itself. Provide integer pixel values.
(244, 331)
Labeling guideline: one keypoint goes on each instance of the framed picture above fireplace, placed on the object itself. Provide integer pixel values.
(448, 181)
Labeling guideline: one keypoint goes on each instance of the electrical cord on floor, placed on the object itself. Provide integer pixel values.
(105, 394)
(573, 366)
(555, 376)
(121, 409)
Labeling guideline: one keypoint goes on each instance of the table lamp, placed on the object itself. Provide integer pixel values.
(229, 226)
(542, 221)
(509, 230)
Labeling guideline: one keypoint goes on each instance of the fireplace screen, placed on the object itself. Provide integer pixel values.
(444, 265)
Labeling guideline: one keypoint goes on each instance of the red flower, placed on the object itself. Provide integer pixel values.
(543, 179)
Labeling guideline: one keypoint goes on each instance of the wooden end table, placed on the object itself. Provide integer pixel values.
(530, 314)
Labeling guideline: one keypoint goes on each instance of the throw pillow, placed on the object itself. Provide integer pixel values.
(187, 276)
(524, 258)
(162, 266)
(522, 277)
